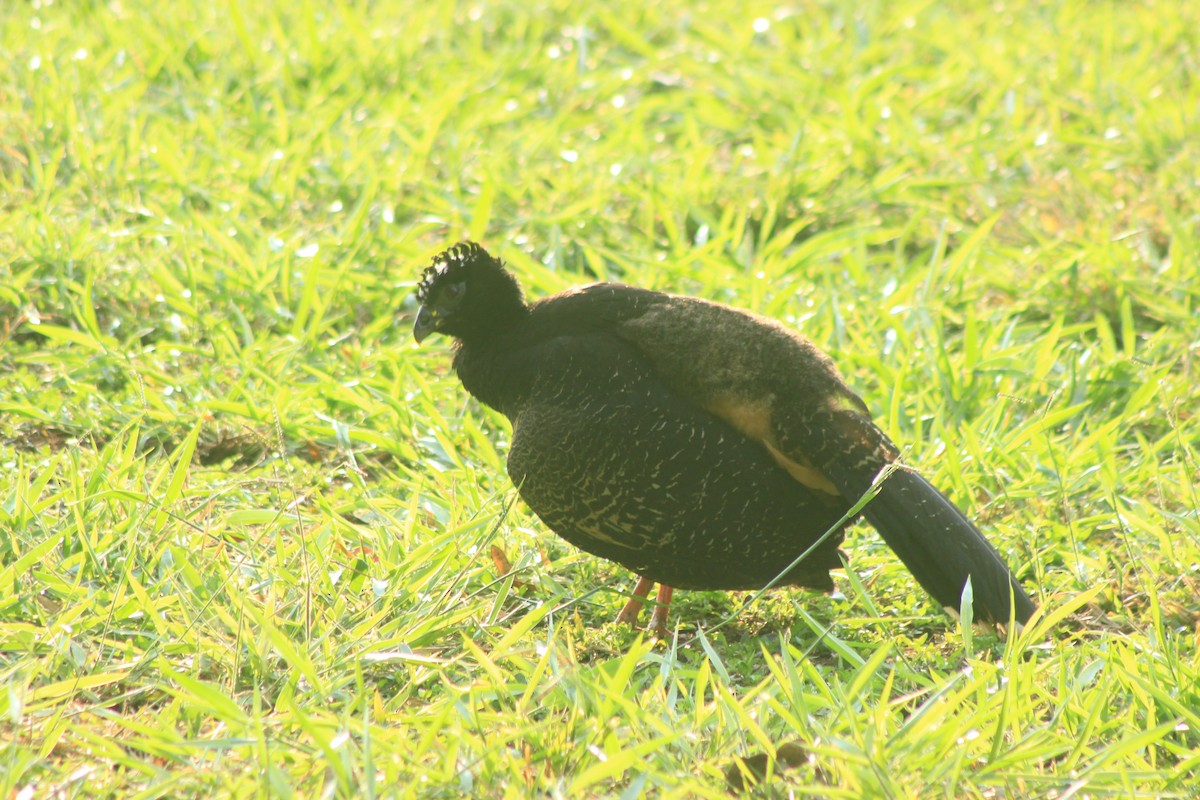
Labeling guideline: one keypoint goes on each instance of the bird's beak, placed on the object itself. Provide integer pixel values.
(427, 319)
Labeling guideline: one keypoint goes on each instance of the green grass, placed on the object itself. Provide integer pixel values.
(245, 524)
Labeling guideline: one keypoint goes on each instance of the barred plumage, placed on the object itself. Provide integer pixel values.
(699, 445)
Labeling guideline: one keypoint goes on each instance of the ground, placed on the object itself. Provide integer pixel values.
(247, 528)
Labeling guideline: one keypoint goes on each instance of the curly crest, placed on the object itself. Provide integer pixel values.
(445, 263)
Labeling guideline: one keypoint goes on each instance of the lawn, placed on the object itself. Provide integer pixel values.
(252, 539)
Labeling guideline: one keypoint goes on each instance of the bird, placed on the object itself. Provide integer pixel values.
(698, 445)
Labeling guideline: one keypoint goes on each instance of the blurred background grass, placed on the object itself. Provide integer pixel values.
(245, 526)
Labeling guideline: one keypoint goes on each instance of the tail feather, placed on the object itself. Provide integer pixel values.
(941, 547)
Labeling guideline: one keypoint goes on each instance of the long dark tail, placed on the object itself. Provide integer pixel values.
(941, 547)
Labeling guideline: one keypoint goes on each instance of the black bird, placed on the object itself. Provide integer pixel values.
(698, 445)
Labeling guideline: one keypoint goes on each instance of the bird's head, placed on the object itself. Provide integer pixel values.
(467, 293)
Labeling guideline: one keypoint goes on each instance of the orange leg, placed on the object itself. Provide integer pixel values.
(658, 619)
(629, 614)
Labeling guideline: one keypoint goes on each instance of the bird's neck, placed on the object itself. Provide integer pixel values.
(494, 369)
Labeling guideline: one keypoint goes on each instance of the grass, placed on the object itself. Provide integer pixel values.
(246, 526)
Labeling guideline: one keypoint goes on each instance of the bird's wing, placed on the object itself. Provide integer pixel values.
(780, 391)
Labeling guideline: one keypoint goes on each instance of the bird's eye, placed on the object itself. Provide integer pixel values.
(454, 292)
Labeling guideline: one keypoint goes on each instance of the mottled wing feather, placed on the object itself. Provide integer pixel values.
(778, 390)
